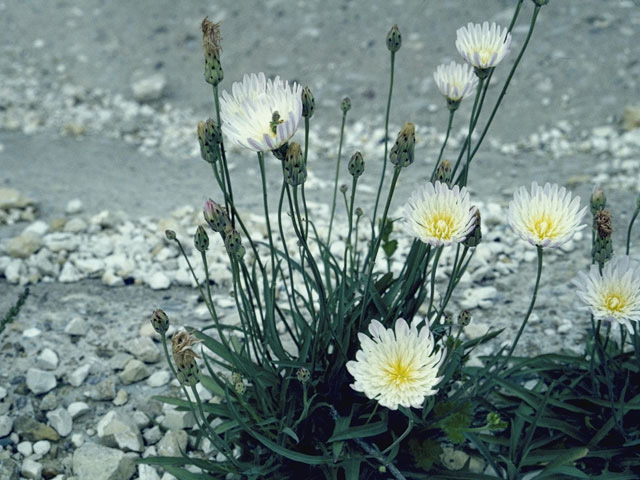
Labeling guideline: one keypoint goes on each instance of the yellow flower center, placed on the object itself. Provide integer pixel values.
(543, 227)
(484, 54)
(440, 225)
(614, 302)
(399, 372)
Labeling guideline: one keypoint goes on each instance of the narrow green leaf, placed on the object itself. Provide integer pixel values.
(361, 431)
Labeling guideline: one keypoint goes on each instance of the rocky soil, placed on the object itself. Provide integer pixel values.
(98, 151)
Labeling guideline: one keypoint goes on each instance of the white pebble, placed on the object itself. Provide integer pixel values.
(74, 206)
(25, 448)
(47, 360)
(42, 447)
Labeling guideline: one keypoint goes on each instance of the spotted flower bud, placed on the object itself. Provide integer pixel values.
(345, 105)
(160, 321)
(402, 151)
(209, 137)
(303, 375)
(359, 212)
(295, 170)
(394, 39)
(188, 372)
(213, 72)
(598, 200)
(447, 318)
(356, 165)
(308, 103)
(170, 234)
(464, 318)
(216, 216)
(201, 239)
(343, 188)
(602, 249)
(473, 240)
(443, 172)
(233, 242)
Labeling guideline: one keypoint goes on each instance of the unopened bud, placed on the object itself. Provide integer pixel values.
(233, 242)
(240, 387)
(213, 72)
(359, 212)
(343, 188)
(281, 152)
(356, 165)
(160, 321)
(540, 3)
(447, 317)
(345, 105)
(443, 172)
(188, 372)
(295, 170)
(603, 244)
(201, 239)
(303, 375)
(473, 239)
(216, 216)
(394, 39)
(308, 103)
(402, 151)
(209, 137)
(598, 200)
(170, 234)
(464, 318)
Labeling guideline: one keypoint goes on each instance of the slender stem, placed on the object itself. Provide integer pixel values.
(434, 268)
(335, 183)
(475, 113)
(225, 167)
(444, 144)
(633, 219)
(266, 211)
(386, 143)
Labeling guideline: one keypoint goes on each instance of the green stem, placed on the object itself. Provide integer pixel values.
(266, 211)
(225, 167)
(444, 144)
(434, 268)
(335, 183)
(633, 219)
(475, 114)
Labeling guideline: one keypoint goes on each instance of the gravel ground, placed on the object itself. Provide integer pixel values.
(102, 161)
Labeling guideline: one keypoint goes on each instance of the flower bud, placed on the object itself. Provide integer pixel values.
(209, 137)
(213, 72)
(201, 240)
(473, 240)
(464, 318)
(216, 216)
(359, 212)
(170, 234)
(188, 372)
(598, 200)
(160, 321)
(233, 242)
(303, 375)
(345, 105)
(540, 3)
(343, 188)
(308, 103)
(443, 172)
(602, 245)
(402, 151)
(356, 165)
(447, 317)
(295, 170)
(394, 39)
(281, 152)
(240, 387)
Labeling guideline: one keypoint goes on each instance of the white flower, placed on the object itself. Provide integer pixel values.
(547, 216)
(396, 368)
(455, 80)
(438, 215)
(261, 115)
(614, 295)
(483, 46)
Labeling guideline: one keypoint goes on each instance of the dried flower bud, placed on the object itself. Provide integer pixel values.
(443, 172)
(447, 317)
(236, 377)
(170, 234)
(473, 240)
(464, 318)
(303, 375)
(209, 137)
(295, 170)
(394, 39)
(240, 387)
(308, 103)
(356, 165)
(402, 151)
(160, 321)
(216, 216)
(598, 200)
(602, 222)
(182, 341)
(201, 239)
(233, 242)
(343, 188)
(345, 105)
(359, 212)
(602, 249)
(213, 73)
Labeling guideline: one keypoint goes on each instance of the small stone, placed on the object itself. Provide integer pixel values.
(38, 227)
(159, 379)
(121, 398)
(142, 419)
(3, 393)
(476, 330)
(147, 472)
(177, 420)
(89, 266)
(77, 326)
(77, 409)
(152, 435)
(77, 439)
(173, 443)
(149, 88)
(134, 371)
(24, 245)
(110, 279)
(478, 297)
(143, 348)
(25, 448)
(631, 117)
(47, 360)
(31, 469)
(117, 429)
(119, 360)
(49, 402)
(75, 225)
(30, 429)
(61, 421)
(79, 375)
(105, 390)
(10, 198)
(95, 462)
(40, 381)
(6, 425)
(31, 332)
(42, 447)
(158, 281)
(69, 274)
(12, 271)
(74, 206)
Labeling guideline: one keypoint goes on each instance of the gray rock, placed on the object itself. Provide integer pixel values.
(117, 429)
(105, 390)
(31, 469)
(9, 469)
(79, 375)
(49, 401)
(96, 462)
(143, 348)
(77, 409)
(134, 371)
(173, 443)
(74, 206)
(3, 393)
(159, 378)
(6, 425)
(147, 472)
(152, 435)
(61, 421)
(631, 117)
(47, 360)
(40, 381)
(24, 245)
(42, 447)
(30, 429)
(12, 271)
(77, 326)
(121, 398)
(119, 360)
(177, 420)
(25, 448)
(75, 225)
(69, 274)
(149, 88)
(10, 198)
(158, 281)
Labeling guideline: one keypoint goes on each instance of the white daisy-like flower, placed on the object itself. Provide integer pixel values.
(261, 114)
(614, 295)
(546, 217)
(438, 215)
(483, 46)
(455, 80)
(397, 368)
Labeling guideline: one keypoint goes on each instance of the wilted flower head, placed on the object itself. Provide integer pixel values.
(260, 114)
(455, 80)
(396, 367)
(546, 217)
(483, 46)
(613, 295)
(438, 215)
